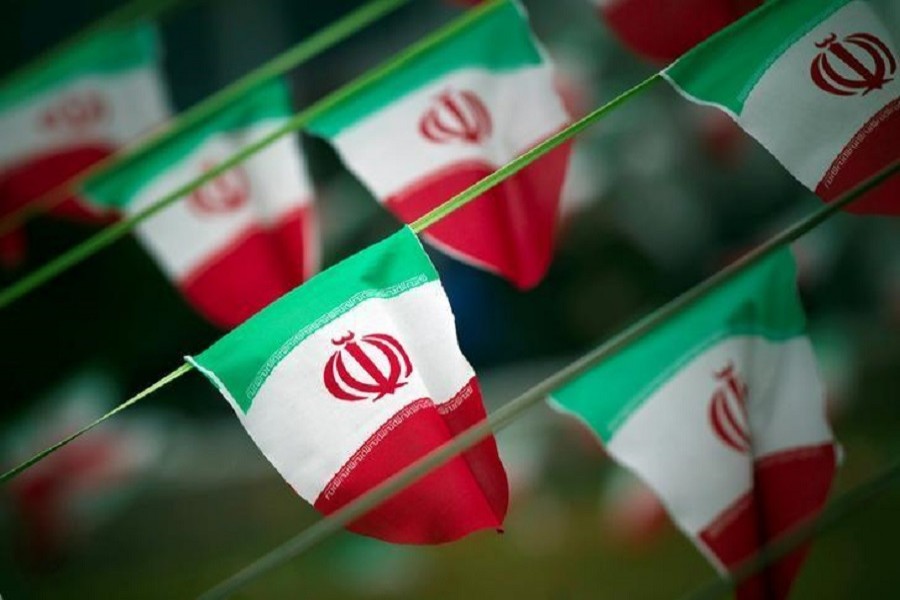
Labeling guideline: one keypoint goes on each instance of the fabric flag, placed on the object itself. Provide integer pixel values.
(663, 30)
(721, 412)
(816, 83)
(355, 375)
(451, 116)
(243, 239)
(57, 121)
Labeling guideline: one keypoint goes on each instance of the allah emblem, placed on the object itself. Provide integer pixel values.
(370, 368)
(226, 193)
(728, 410)
(75, 112)
(456, 116)
(858, 64)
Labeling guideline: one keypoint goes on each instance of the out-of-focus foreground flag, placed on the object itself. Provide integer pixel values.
(663, 30)
(451, 116)
(245, 238)
(355, 375)
(816, 83)
(76, 110)
(721, 411)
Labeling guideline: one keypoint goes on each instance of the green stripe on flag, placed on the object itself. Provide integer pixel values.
(241, 361)
(499, 41)
(120, 185)
(109, 52)
(761, 301)
(725, 68)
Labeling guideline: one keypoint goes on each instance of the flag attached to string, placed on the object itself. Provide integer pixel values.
(243, 239)
(817, 84)
(72, 112)
(355, 375)
(721, 411)
(449, 117)
(663, 30)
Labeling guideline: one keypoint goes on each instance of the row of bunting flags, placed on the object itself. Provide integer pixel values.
(339, 381)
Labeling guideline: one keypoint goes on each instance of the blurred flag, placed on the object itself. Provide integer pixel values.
(817, 84)
(71, 492)
(663, 30)
(241, 240)
(448, 118)
(355, 375)
(74, 111)
(722, 413)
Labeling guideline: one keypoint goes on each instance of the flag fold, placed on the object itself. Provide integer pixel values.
(721, 412)
(451, 116)
(355, 375)
(241, 240)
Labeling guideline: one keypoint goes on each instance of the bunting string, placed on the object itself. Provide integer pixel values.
(319, 42)
(113, 232)
(506, 414)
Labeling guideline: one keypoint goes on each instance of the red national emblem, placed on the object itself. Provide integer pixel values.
(728, 410)
(860, 63)
(456, 116)
(226, 193)
(76, 112)
(371, 368)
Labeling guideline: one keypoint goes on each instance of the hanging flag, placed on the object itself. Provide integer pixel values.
(55, 122)
(721, 412)
(451, 116)
(243, 239)
(663, 30)
(816, 83)
(355, 375)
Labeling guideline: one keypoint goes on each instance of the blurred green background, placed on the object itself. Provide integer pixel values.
(661, 194)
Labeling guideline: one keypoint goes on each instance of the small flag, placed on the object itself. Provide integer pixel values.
(816, 83)
(663, 30)
(353, 376)
(451, 116)
(243, 239)
(76, 110)
(721, 412)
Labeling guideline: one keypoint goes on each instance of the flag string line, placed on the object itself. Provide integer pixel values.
(137, 9)
(503, 416)
(836, 512)
(113, 232)
(461, 199)
(131, 401)
(317, 43)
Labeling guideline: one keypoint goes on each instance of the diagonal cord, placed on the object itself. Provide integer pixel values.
(838, 510)
(503, 416)
(525, 159)
(113, 232)
(133, 400)
(305, 50)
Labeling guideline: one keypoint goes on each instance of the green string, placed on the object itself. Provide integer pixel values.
(137, 9)
(503, 416)
(319, 42)
(134, 399)
(523, 160)
(110, 234)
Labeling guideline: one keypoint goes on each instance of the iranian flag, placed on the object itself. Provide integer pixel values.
(241, 240)
(353, 376)
(816, 83)
(722, 413)
(451, 116)
(663, 30)
(76, 110)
